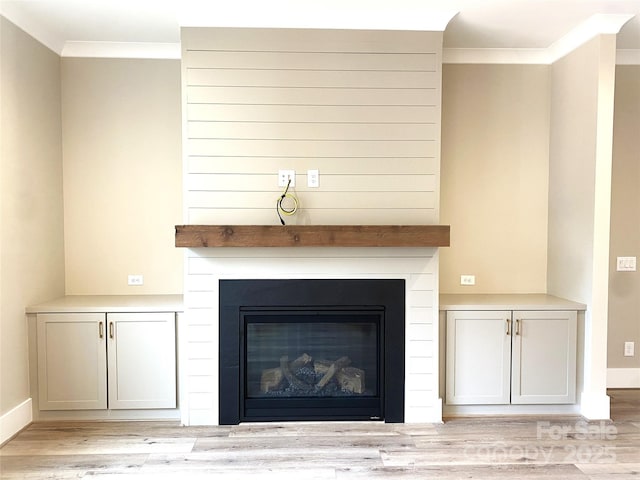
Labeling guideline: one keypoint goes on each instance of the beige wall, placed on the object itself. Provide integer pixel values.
(122, 175)
(495, 141)
(31, 241)
(624, 287)
(580, 162)
(572, 172)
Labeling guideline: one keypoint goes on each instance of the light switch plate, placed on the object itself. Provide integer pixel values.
(629, 349)
(313, 178)
(626, 264)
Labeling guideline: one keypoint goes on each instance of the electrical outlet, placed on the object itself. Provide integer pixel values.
(629, 349)
(467, 279)
(135, 280)
(284, 176)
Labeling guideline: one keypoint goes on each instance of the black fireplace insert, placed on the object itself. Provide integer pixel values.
(325, 349)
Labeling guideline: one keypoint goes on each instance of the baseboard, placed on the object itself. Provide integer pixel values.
(595, 406)
(623, 377)
(438, 411)
(15, 420)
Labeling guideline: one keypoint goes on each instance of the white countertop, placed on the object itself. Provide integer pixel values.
(533, 301)
(174, 303)
(110, 303)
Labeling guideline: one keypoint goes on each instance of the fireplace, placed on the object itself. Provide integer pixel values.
(312, 349)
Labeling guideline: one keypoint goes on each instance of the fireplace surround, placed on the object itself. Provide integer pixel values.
(198, 336)
(350, 327)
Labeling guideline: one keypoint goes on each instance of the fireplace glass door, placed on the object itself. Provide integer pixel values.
(300, 362)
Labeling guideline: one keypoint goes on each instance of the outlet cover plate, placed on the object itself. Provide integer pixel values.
(467, 279)
(284, 176)
(135, 280)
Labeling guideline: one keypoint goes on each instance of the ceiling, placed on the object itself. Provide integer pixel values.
(467, 24)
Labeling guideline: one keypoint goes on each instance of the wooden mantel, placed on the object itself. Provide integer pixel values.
(196, 236)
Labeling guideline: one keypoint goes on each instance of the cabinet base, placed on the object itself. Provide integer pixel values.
(107, 415)
(467, 410)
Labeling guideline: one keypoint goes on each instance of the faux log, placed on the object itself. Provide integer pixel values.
(322, 366)
(351, 379)
(271, 379)
(335, 366)
(300, 362)
(291, 378)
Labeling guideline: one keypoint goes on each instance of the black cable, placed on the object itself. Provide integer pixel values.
(281, 208)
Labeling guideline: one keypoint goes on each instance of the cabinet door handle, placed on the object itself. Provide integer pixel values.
(101, 329)
(110, 329)
(508, 326)
(517, 327)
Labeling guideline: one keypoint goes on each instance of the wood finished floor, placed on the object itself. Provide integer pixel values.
(485, 447)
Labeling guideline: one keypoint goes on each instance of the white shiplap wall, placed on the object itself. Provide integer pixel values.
(362, 107)
(199, 332)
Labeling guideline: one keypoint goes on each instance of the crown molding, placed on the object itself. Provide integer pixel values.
(600, 24)
(628, 57)
(122, 50)
(496, 56)
(519, 56)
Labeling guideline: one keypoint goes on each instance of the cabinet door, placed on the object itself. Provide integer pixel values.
(478, 357)
(72, 369)
(142, 360)
(544, 357)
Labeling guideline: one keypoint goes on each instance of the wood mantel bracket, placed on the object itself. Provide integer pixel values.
(196, 236)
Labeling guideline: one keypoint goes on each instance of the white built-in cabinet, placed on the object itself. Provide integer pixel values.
(543, 357)
(141, 350)
(503, 357)
(95, 361)
(72, 361)
(517, 357)
(105, 354)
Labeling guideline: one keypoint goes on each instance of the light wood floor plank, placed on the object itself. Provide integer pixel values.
(98, 446)
(222, 474)
(301, 442)
(266, 459)
(457, 472)
(474, 447)
(311, 429)
(617, 471)
(64, 466)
